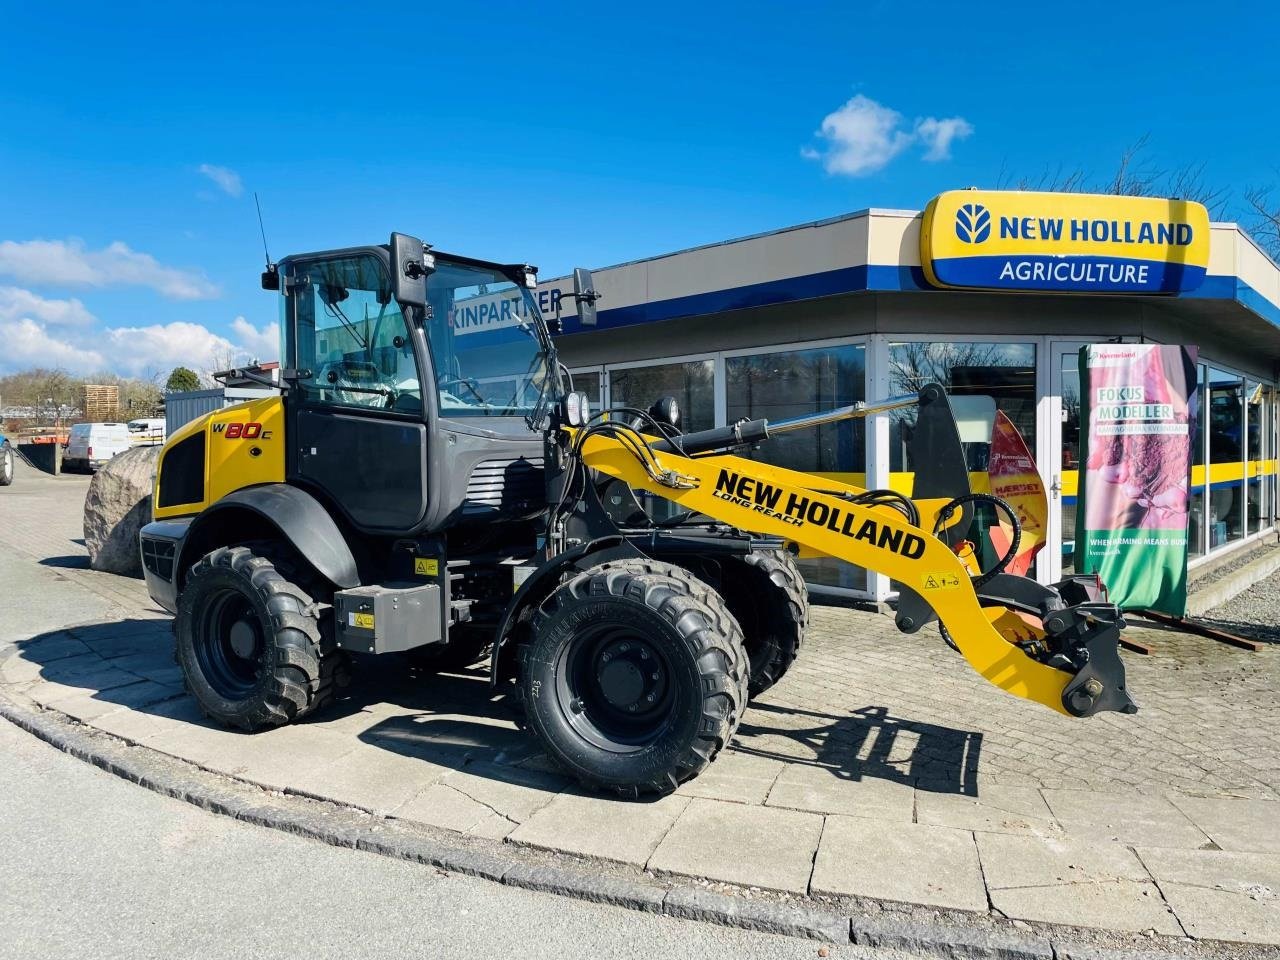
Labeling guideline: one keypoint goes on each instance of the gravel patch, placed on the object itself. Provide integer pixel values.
(1254, 613)
(1231, 566)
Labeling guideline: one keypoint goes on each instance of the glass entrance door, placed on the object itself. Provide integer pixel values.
(1063, 460)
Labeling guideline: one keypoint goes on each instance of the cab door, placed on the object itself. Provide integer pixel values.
(357, 429)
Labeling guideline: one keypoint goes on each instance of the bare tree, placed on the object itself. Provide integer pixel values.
(918, 362)
(1134, 176)
(1264, 221)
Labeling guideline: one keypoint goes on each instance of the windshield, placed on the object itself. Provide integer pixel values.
(489, 357)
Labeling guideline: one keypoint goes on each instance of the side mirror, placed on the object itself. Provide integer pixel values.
(410, 265)
(584, 292)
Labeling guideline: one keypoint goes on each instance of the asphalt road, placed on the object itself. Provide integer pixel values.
(94, 866)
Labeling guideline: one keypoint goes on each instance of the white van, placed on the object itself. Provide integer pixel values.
(90, 445)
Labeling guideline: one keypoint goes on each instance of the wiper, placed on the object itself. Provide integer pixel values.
(535, 417)
(474, 392)
(336, 311)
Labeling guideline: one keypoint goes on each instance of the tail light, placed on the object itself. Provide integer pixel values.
(89, 454)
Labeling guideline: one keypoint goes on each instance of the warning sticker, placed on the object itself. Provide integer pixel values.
(940, 581)
(362, 620)
(426, 566)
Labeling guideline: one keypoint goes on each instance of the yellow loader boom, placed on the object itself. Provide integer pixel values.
(1066, 659)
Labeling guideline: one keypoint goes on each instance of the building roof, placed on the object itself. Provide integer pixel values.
(876, 251)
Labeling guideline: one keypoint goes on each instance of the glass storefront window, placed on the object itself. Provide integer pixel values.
(1269, 453)
(1255, 417)
(980, 378)
(588, 382)
(692, 383)
(1196, 543)
(1225, 417)
(792, 383)
(985, 376)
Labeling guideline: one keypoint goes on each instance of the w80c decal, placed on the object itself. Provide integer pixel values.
(242, 431)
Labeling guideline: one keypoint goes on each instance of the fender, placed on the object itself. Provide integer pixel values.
(300, 518)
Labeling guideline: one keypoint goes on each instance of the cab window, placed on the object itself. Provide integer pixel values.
(351, 337)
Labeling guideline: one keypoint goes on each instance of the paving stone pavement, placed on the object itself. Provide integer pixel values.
(880, 767)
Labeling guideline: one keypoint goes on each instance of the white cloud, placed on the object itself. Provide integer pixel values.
(28, 343)
(863, 136)
(261, 343)
(131, 351)
(937, 135)
(16, 303)
(228, 180)
(67, 262)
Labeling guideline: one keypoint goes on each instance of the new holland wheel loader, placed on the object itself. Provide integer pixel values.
(427, 481)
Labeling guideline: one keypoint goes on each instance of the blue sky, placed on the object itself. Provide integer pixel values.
(569, 134)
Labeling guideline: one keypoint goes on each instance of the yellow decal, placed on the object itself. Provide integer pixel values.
(362, 620)
(1068, 242)
(940, 580)
(426, 566)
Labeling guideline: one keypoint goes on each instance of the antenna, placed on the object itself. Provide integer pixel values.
(271, 275)
(261, 228)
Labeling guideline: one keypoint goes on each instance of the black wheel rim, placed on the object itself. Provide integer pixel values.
(616, 687)
(229, 644)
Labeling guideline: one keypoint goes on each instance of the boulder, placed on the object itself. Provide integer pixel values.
(116, 507)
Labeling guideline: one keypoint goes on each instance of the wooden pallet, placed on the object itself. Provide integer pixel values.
(101, 402)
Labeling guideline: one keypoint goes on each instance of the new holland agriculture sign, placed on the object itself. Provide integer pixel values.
(1075, 242)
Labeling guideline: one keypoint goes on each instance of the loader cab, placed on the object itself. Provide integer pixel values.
(416, 388)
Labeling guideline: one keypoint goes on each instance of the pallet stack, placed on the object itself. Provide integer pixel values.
(101, 402)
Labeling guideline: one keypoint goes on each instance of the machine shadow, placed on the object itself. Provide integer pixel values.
(457, 720)
(125, 662)
(867, 744)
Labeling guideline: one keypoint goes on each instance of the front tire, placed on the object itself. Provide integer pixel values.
(8, 464)
(250, 642)
(633, 677)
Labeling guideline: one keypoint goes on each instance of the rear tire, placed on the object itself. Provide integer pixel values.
(251, 644)
(8, 464)
(633, 676)
(767, 594)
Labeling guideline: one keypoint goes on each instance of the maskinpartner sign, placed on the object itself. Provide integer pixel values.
(1067, 242)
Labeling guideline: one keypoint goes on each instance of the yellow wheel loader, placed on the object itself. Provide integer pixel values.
(428, 482)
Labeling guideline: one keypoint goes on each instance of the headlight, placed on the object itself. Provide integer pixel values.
(577, 408)
(666, 410)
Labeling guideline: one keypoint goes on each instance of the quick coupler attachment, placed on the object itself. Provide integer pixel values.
(1085, 640)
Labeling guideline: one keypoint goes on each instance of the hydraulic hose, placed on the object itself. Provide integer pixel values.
(1003, 506)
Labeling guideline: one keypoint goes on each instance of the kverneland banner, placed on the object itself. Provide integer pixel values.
(1139, 403)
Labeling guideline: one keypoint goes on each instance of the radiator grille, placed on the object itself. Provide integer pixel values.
(182, 472)
(505, 486)
(157, 556)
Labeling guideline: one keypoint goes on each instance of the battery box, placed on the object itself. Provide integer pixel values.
(388, 618)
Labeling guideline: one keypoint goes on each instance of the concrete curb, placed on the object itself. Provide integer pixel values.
(1211, 595)
(344, 827)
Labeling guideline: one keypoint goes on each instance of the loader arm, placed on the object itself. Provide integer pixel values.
(819, 515)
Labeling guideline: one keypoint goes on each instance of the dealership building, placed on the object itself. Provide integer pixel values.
(990, 294)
